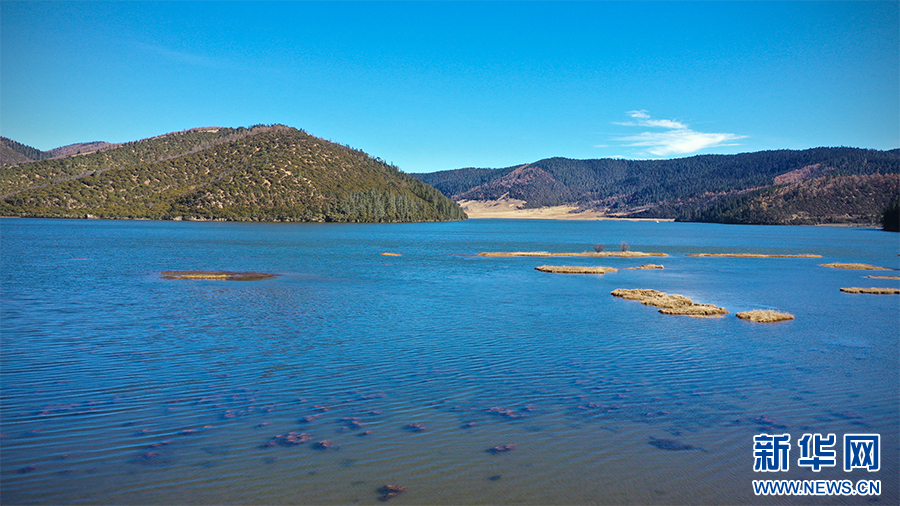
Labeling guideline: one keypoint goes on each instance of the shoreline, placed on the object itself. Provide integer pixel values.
(514, 209)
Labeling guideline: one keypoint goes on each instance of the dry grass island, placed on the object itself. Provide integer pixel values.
(861, 267)
(574, 269)
(217, 275)
(598, 254)
(670, 304)
(883, 277)
(764, 316)
(645, 266)
(874, 291)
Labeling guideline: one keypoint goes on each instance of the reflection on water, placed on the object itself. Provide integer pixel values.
(463, 379)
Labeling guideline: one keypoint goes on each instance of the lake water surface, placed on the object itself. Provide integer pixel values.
(119, 387)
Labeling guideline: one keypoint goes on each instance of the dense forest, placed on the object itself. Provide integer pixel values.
(822, 185)
(262, 173)
(891, 219)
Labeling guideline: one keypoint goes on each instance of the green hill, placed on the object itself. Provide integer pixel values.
(264, 173)
(822, 185)
(172, 145)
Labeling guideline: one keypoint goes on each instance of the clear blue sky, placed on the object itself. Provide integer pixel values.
(433, 86)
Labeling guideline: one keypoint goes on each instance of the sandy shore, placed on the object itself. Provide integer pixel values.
(512, 208)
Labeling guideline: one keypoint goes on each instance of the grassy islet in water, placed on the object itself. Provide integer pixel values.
(764, 316)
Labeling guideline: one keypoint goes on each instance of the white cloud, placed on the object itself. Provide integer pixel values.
(678, 142)
(663, 123)
(645, 121)
(639, 114)
(679, 139)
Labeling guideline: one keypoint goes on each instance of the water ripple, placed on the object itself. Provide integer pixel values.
(120, 387)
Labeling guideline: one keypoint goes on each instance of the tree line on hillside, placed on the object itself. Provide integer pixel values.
(891, 218)
(14, 152)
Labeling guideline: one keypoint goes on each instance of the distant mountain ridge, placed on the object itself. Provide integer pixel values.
(813, 186)
(261, 173)
(81, 148)
(15, 153)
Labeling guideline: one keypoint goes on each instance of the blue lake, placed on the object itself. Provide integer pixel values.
(120, 387)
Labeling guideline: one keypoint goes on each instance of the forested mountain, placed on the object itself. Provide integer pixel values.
(13, 153)
(264, 173)
(822, 185)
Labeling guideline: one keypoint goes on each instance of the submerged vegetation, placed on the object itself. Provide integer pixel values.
(752, 255)
(217, 275)
(624, 254)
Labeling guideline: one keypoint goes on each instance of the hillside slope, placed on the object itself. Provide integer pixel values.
(14, 153)
(266, 173)
(172, 145)
(81, 148)
(717, 188)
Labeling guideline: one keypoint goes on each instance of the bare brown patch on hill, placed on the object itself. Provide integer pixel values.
(802, 174)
